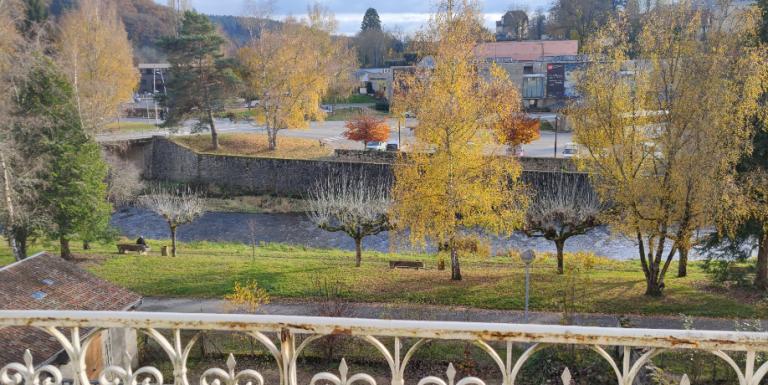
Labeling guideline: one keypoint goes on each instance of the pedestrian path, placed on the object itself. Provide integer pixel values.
(438, 313)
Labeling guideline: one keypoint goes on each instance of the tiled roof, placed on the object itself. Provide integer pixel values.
(47, 282)
(527, 50)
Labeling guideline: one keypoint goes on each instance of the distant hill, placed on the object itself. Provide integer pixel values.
(239, 29)
(146, 22)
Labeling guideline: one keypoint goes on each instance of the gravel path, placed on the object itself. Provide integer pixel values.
(432, 313)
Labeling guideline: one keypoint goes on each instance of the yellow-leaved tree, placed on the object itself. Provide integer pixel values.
(290, 69)
(453, 181)
(663, 132)
(94, 52)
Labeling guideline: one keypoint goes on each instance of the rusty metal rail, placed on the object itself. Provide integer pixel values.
(296, 333)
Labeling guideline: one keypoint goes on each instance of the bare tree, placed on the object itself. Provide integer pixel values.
(352, 204)
(567, 208)
(124, 182)
(177, 207)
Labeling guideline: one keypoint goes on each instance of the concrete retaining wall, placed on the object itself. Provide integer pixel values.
(172, 162)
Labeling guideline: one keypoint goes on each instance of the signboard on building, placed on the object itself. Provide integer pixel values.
(555, 80)
(561, 80)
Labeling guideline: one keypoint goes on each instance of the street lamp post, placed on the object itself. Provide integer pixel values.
(528, 257)
(557, 123)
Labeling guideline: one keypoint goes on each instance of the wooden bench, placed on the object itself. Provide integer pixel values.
(406, 265)
(123, 247)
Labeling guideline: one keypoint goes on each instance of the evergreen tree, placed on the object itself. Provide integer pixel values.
(36, 12)
(201, 79)
(371, 21)
(71, 187)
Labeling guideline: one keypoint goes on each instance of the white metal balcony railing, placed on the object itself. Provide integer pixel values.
(293, 334)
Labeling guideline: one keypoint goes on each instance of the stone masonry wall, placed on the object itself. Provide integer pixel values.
(172, 162)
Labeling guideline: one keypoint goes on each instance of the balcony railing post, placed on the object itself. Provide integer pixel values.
(287, 353)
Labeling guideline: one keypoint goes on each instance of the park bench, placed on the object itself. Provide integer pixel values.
(123, 247)
(406, 265)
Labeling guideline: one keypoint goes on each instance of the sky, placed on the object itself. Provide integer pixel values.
(406, 16)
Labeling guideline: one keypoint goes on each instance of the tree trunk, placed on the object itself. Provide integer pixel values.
(358, 251)
(86, 245)
(9, 208)
(173, 240)
(682, 267)
(455, 268)
(560, 245)
(214, 134)
(761, 278)
(20, 240)
(272, 138)
(66, 253)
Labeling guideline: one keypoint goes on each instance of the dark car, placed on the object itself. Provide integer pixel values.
(393, 147)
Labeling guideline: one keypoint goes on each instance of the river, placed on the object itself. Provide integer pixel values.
(297, 229)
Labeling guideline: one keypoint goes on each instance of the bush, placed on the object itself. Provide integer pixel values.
(382, 105)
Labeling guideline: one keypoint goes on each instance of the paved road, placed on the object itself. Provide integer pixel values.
(431, 313)
(330, 132)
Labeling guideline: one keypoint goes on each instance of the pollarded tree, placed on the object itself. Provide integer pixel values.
(567, 208)
(367, 128)
(201, 80)
(450, 183)
(94, 52)
(663, 135)
(177, 207)
(291, 68)
(354, 205)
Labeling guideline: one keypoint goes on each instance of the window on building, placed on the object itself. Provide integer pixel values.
(528, 70)
(533, 87)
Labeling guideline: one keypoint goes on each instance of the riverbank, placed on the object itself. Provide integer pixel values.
(210, 270)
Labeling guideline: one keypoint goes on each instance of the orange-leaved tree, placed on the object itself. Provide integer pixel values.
(367, 128)
(516, 129)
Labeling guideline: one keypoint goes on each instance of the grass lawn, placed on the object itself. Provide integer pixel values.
(255, 145)
(343, 114)
(210, 270)
(353, 99)
(130, 127)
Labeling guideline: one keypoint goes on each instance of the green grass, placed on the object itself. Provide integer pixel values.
(130, 127)
(353, 99)
(342, 114)
(209, 270)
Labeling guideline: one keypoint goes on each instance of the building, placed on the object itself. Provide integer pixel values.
(529, 65)
(153, 76)
(373, 81)
(512, 26)
(47, 282)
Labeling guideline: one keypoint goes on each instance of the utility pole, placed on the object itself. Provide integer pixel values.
(557, 123)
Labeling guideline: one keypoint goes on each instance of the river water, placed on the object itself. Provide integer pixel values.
(297, 229)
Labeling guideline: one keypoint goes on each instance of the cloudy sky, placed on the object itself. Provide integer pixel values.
(407, 15)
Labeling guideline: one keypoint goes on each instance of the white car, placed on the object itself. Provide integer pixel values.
(376, 146)
(570, 150)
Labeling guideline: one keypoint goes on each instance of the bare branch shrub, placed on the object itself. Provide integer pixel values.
(124, 182)
(177, 207)
(562, 210)
(353, 204)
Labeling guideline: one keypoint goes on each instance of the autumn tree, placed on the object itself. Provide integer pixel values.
(663, 135)
(176, 207)
(201, 80)
(367, 128)
(562, 209)
(94, 52)
(21, 215)
(352, 204)
(449, 183)
(290, 70)
(516, 128)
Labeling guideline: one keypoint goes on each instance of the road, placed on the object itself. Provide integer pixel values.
(330, 133)
(432, 313)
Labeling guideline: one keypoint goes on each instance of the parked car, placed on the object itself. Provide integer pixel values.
(570, 150)
(393, 146)
(376, 146)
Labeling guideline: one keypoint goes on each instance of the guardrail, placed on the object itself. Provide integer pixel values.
(290, 335)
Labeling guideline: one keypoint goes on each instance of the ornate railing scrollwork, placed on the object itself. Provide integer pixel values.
(18, 374)
(636, 348)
